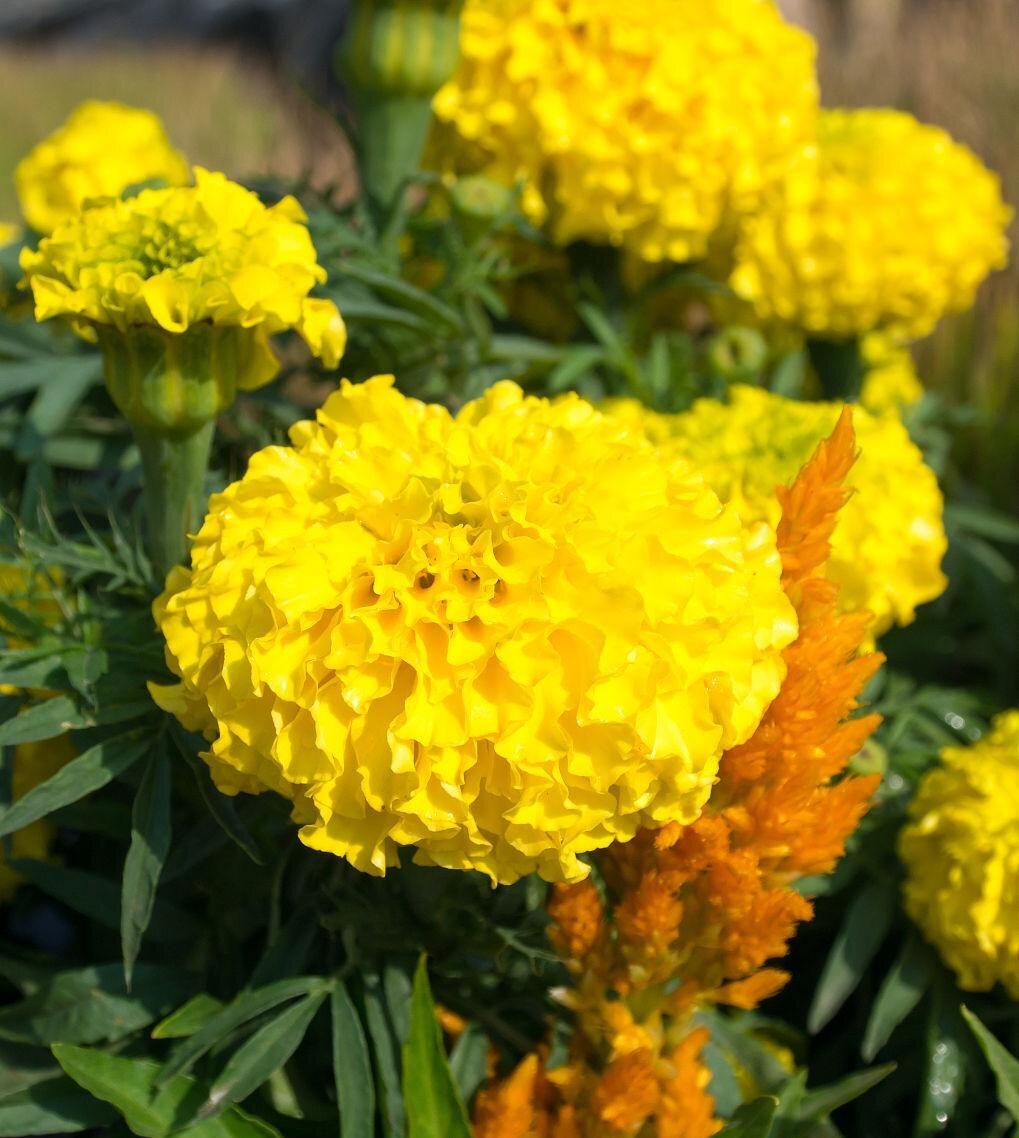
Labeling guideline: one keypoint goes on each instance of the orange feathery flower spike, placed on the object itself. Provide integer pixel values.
(711, 903)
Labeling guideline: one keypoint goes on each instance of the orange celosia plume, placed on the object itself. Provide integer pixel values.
(711, 903)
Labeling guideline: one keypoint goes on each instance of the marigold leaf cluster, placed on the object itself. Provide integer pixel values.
(506, 638)
(693, 913)
(648, 125)
(890, 539)
(208, 253)
(961, 851)
(882, 224)
(101, 150)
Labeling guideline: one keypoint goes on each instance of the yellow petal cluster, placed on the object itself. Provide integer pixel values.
(889, 542)
(890, 383)
(101, 150)
(883, 224)
(961, 850)
(646, 124)
(506, 638)
(171, 258)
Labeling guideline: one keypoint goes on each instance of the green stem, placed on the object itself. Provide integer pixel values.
(840, 368)
(174, 468)
(394, 128)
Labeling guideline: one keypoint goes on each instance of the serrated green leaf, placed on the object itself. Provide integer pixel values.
(263, 1054)
(150, 843)
(352, 1070)
(431, 1098)
(128, 1086)
(1001, 1061)
(752, 1120)
(819, 1103)
(189, 1018)
(81, 776)
(864, 928)
(902, 989)
(56, 1106)
(92, 1005)
(239, 1011)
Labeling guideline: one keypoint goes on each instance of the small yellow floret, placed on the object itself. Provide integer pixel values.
(506, 638)
(883, 224)
(890, 384)
(209, 253)
(647, 124)
(890, 539)
(961, 850)
(101, 150)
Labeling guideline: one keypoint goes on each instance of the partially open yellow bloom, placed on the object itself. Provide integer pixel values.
(207, 255)
(506, 638)
(883, 224)
(101, 150)
(961, 850)
(890, 382)
(647, 125)
(890, 538)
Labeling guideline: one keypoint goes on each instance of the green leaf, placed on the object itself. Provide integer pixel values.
(1004, 1065)
(386, 1048)
(99, 899)
(752, 1120)
(52, 407)
(83, 775)
(469, 1060)
(43, 720)
(90, 1005)
(218, 804)
(865, 926)
(821, 1102)
(239, 1011)
(22, 1065)
(56, 1106)
(263, 1054)
(52, 371)
(150, 843)
(352, 1070)
(188, 1018)
(431, 1098)
(903, 988)
(128, 1085)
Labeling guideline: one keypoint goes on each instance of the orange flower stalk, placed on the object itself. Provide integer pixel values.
(709, 904)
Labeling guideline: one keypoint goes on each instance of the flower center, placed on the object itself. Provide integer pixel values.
(165, 247)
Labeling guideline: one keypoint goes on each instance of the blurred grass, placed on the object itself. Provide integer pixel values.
(224, 110)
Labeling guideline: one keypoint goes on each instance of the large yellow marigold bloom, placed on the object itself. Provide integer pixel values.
(101, 150)
(883, 224)
(646, 124)
(506, 638)
(961, 849)
(209, 255)
(889, 542)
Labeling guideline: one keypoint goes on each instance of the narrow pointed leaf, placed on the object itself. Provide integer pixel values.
(752, 1120)
(262, 1055)
(245, 1007)
(1004, 1065)
(821, 1102)
(188, 1018)
(431, 1098)
(220, 806)
(386, 1049)
(41, 721)
(150, 842)
(352, 1071)
(81, 776)
(902, 989)
(469, 1061)
(863, 930)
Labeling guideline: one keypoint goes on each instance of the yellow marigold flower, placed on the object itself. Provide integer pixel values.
(646, 124)
(883, 224)
(8, 232)
(890, 385)
(506, 638)
(961, 850)
(101, 150)
(175, 259)
(890, 538)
